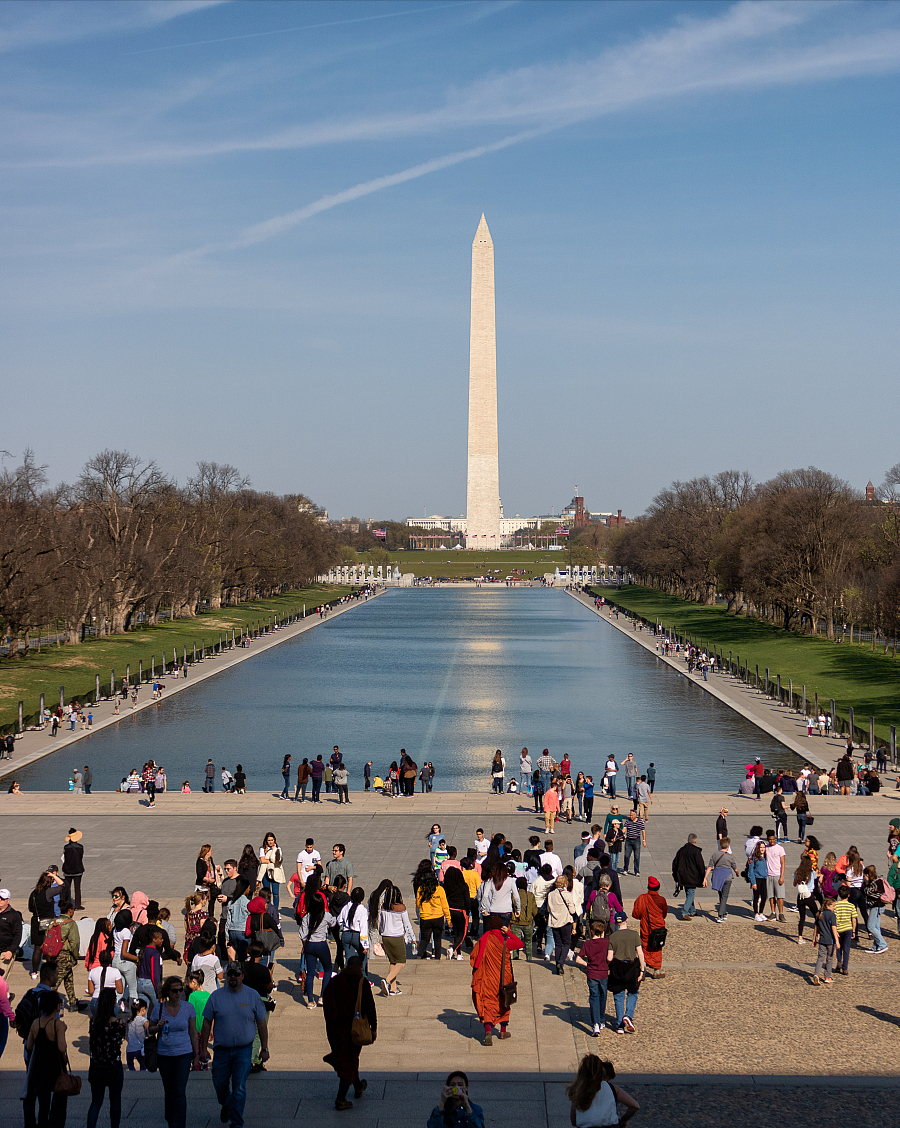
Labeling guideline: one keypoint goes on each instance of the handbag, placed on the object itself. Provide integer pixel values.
(656, 941)
(360, 1030)
(508, 991)
(67, 1084)
(810, 819)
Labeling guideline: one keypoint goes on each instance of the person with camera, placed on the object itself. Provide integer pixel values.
(454, 1107)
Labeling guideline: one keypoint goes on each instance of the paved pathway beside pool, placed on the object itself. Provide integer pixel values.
(735, 1033)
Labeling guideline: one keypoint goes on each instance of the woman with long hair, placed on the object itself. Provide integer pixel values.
(42, 906)
(205, 877)
(757, 874)
(873, 889)
(107, 1032)
(563, 913)
(805, 884)
(178, 1050)
(499, 893)
(271, 871)
(100, 941)
(314, 926)
(457, 892)
(396, 931)
(47, 1056)
(853, 876)
(394, 777)
(195, 914)
(431, 901)
(376, 903)
(498, 772)
(422, 868)
(595, 1099)
(353, 922)
(248, 866)
(286, 776)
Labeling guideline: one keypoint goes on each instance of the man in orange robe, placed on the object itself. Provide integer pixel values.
(650, 909)
(488, 962)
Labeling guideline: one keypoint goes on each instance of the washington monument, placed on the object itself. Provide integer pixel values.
(483, 482)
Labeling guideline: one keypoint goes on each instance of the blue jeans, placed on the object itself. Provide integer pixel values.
(128, 971)
(230, 1068)
(545, 780)
(353, 947)
(874, 924)
(239, 942)
(286, 788)
(801, 827)
(174, 1071)
(611, 784)
(146, 990)
(317, 787)
(633, 849)
(524, 782)
(497, 784)
(688, 909)
(315, 954)
(275, 889)
(624, 1006)
(597, 998)
(630, 784)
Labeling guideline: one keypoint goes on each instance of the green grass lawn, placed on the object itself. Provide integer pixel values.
(75, 666)
(464, 565)
(851, 674)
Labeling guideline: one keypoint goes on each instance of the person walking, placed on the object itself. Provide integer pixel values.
(689, 874)
(626, 970)
(800, 807)
(286, 776)
(551, 808)
(875, 889)
(826, 938)
(434, 910)
(722, 871)
(348, 996)
(635, 837)
(491, 969)
(563, 912)
(631, 774)
(594, 957)
(106, 1073)
(73, 868)
(805, 884)
(68, 955)
(610, 775)
(650, 909)
(173, 1020)
(845, 915)
(234, 1016)
(722, 824)
(314, 928)
(396, 932)
(353, 923)
(302, 781)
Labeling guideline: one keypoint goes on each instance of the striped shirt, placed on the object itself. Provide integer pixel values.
(633, 828)
(845, 914)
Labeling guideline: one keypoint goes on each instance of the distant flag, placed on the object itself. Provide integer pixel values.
(382, 533)
(562, 530)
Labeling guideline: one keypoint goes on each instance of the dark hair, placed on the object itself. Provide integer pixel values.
(166, 988)
(546, 871)
(123, 919)
(103, 927)
(106, 1009)
(358, 895)
(48, 1002)
(427, 886)
(315, 910)
(376, 901)
(254, 950)
(424, 867)
(340, 846)
(454, 882)
(814, 843)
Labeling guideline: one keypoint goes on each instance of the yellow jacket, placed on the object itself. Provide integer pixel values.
(437, 906)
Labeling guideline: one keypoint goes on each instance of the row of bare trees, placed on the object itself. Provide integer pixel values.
(805, 549)
(125, 538)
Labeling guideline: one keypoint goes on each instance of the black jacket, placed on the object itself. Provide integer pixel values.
(688, 869)
(10, 930)
(73, 855)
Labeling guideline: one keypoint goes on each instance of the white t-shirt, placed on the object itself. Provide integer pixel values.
(548, 858)
(209, 963)
(113, 978)
(481, 848)
(118, 937)
(611, 768)
(602, 1111)
(306, 860)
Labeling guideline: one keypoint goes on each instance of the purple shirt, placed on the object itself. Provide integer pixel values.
(317, 769)
(594, 951)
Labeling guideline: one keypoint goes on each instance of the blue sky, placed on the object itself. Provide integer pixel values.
(242, 232)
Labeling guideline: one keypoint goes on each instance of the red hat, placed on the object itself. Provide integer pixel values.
(652, 883)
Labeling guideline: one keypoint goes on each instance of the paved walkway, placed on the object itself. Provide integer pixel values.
(779, 721)
(728, 987)
(37, 743)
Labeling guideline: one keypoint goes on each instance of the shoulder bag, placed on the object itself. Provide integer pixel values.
(508, 991)
(67, 1084)
(360, 1029)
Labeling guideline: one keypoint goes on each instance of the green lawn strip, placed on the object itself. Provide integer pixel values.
(851, 674)
(76, 665)
(465, 565)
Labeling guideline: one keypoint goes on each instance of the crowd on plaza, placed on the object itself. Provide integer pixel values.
(490, 902)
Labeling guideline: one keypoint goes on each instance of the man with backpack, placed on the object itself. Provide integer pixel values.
(689, 874)
(61, 944)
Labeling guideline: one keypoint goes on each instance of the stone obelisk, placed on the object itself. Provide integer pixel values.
(483, 482)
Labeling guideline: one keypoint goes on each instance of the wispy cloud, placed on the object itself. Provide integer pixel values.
(36, 25)
(750, 46)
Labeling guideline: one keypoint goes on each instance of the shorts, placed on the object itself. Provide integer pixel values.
(773, 889)
(394, 949)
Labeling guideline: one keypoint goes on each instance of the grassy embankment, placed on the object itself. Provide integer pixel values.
(851, 674)
(76, 665)
(464, 565)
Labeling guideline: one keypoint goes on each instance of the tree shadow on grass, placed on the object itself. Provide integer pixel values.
(881, 1015)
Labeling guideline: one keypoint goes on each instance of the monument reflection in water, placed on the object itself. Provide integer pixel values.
(449, 674)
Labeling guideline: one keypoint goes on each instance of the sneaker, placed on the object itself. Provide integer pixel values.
(828, 979)
(873, 951)
(720, 920)
(772, 916)
(759, 916)
(816, 981)
(628, 1024)
(397, 992)
(782, 919)
(596, 1031)
(878, 951)
(793, 909)
(800, 940)
(618, 1030)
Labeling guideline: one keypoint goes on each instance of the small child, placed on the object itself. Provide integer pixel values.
(826, 937)
(137, 1032)
(186, 788)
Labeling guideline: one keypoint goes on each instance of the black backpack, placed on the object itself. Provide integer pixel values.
(26, 1013)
